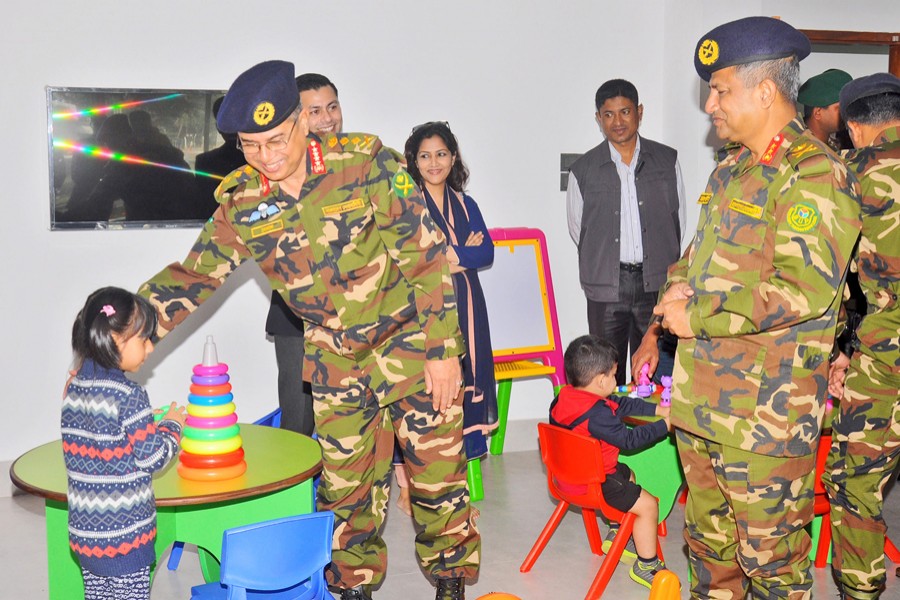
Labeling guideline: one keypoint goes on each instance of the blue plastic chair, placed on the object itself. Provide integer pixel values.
(277, 560)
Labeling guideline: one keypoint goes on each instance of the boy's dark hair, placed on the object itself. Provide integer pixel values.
(586, 357)
(459, 173)
(874, 110)
(614, 88)
(313, 81)
(107, 311)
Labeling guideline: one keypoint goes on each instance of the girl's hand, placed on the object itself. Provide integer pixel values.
(475, 239)
(175, 413)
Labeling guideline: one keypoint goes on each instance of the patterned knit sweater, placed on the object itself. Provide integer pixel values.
(111, 446)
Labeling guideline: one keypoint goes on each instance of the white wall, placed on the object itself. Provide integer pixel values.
(515, 79)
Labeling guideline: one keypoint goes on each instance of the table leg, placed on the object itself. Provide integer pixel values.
(63, 571)
(658, 470)
(504, 389)
(476, 488)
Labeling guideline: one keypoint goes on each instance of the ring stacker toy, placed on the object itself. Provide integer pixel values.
(211, 446)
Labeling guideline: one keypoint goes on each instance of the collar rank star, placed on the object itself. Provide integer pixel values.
(316, 162)
(772, 148)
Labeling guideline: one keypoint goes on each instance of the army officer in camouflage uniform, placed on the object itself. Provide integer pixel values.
(755, 301)
(343, 235)
(865, 446)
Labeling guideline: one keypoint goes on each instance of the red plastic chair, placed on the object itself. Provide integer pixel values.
(821, 505)
(577, 461)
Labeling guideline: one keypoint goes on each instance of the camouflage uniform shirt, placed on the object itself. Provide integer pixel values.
(878, 261)
(767, 265)
(357, 258)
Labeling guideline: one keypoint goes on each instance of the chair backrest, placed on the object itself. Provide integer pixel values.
(277, 554)
(576, 461)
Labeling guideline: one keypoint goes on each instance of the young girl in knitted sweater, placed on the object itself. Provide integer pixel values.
(111, 445)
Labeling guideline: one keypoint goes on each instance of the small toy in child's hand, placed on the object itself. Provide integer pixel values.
(645, 387)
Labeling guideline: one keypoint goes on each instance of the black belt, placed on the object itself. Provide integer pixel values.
(631, 267)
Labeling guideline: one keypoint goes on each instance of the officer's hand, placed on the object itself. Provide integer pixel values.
(646, 353)
(677, 291)
(443, 380)
(675, 318)
(837, 372)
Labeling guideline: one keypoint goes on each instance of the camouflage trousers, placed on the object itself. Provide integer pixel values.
(745, 521)
(865, 447)
(357, 440)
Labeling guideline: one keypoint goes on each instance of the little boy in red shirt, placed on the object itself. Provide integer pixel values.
(584, 406)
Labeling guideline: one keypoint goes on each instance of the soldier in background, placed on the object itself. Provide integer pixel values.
(754, 302)
(319, 96)
(865, 443)
(342, 233)
(821, 111)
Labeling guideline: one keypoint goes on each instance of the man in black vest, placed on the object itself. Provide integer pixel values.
(625, 202)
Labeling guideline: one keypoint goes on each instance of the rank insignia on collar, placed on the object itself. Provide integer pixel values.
(771, 149)
(403, 184)
(316, 162)
(704, 198)
(263, 211)
(802, 217)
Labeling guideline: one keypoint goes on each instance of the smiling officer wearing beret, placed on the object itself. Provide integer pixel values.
(343, 234)
(754, 301)
(865, 443)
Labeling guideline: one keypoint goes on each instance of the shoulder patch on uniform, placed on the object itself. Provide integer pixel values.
(808, 158)
(802, 217)
(366, 143)
(403, 184)
(232, 180)
(704, 198)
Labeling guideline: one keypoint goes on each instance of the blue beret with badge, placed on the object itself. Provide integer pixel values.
(261, 98)
(870, 85)
(748, 40)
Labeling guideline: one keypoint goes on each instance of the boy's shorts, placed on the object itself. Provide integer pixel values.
(618, 490)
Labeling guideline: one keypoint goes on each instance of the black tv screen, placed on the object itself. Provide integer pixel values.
(134, 158)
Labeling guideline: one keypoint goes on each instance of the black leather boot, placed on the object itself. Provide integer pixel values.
(453, 588)
(360, 592)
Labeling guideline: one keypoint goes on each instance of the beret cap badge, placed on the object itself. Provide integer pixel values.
(264, 113)
(708, 52)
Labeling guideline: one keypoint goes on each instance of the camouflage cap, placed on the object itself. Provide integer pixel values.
(748, 40)
(261, 98)
(870, 85)
(823, 89)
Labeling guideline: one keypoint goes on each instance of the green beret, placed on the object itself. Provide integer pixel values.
(823, 89)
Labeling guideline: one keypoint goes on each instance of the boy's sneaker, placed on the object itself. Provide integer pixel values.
(643, 573)
(628, 554)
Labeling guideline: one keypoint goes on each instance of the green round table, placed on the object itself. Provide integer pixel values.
(277, 483)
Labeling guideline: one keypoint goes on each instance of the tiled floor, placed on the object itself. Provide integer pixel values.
(514, 511)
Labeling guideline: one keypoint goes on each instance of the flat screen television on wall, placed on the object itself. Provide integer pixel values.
(134, 158)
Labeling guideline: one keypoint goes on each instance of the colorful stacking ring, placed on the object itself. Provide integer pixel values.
(209, 412)
(217, 380)
(211, 435)
(205, 371)
(212, 423)
(210, 390)
(210, 400)
(211, 461)
(216, 447)
(219, 474)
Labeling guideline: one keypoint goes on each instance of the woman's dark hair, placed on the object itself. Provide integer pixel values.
(109, 311)
(586, 357)
(459, 173)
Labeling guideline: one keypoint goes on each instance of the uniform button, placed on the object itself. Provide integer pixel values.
(617, 212)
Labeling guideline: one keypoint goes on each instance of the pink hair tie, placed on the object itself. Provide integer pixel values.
(108, 310)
